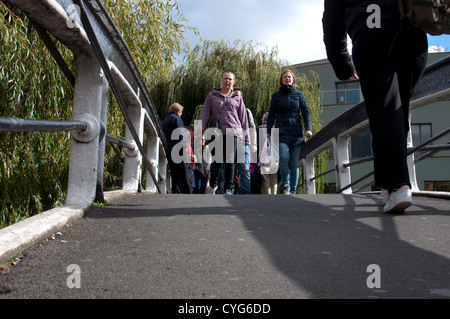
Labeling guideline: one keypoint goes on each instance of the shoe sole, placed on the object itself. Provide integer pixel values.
(399, 208)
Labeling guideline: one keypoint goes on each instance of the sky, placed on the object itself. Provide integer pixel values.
(294, 27)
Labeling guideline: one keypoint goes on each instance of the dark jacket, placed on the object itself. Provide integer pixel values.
(342, 17)
(287, 107)
(171, 122)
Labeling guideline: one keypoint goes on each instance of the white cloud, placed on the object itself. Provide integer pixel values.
(294, 27)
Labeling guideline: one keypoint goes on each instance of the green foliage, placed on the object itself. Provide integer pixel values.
(34, 166)
(154, 32)
(257, 73)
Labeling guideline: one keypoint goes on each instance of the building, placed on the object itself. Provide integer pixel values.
(433, 174)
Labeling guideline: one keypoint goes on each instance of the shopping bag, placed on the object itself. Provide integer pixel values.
(269, 157)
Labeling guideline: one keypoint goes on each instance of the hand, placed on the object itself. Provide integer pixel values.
(353, 77)
(308, 133)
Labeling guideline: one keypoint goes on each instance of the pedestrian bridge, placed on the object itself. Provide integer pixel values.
(104, 62)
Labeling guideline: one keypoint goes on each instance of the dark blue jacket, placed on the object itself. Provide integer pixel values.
(170, 123)
(287, 107)
(342, 17)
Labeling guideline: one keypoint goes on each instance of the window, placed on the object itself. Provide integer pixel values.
(440, 186)
(361, 144)
(420, 134)
(348, 92)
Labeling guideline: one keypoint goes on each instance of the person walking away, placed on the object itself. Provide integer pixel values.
(177, 166)
(389, 59)
(287, 108)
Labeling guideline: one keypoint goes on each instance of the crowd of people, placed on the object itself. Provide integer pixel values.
(388, 59)
(228, 162)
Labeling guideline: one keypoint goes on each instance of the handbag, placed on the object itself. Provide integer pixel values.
(269, 157)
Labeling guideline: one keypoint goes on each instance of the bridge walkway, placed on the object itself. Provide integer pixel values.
(144, 245)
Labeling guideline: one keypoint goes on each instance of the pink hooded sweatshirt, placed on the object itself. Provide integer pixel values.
(233, 119)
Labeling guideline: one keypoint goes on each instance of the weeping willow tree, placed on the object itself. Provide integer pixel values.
(257, 71)
(34, 166)
(33, 172)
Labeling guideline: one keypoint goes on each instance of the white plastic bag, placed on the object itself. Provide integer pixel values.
(269, 157)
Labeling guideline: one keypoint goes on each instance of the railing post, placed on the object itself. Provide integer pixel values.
(132, 168)
(84, 150)
(153, 156)
(308, 169)
(163, 171)
(410, 160)
(101, 151)
(341, 155)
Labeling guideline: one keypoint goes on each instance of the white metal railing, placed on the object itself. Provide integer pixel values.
(434, 86)
(102, 61)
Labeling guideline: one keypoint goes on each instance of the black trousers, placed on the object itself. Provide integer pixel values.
(227, 159)
(179, 176)
(389, 61)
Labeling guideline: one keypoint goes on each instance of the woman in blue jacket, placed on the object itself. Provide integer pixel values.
(287, 107)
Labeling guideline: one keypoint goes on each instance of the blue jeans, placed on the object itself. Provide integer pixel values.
(289, 170)
(191, 175)
(200, 184)
(244, 169)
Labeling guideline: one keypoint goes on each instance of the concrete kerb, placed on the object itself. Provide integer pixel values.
(22, 235)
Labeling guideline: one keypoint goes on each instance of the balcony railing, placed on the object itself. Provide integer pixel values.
(347, 96)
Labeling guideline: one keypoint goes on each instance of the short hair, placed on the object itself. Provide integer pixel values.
(175, 107)
(234, 76)
(286, 71)
(265, 116)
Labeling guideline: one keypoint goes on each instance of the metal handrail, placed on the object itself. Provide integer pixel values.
(8, 124)
(86, 41)
(114, 35)
(101, 14)
(421, 147)
(112, 82)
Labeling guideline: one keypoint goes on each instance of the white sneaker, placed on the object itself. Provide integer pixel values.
(399, 200)
(212, 190)
(229, 192)
(385, 195)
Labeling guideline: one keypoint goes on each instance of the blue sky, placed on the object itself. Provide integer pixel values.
(294, 27)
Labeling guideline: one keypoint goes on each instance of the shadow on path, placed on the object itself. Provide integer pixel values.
(254, 246)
